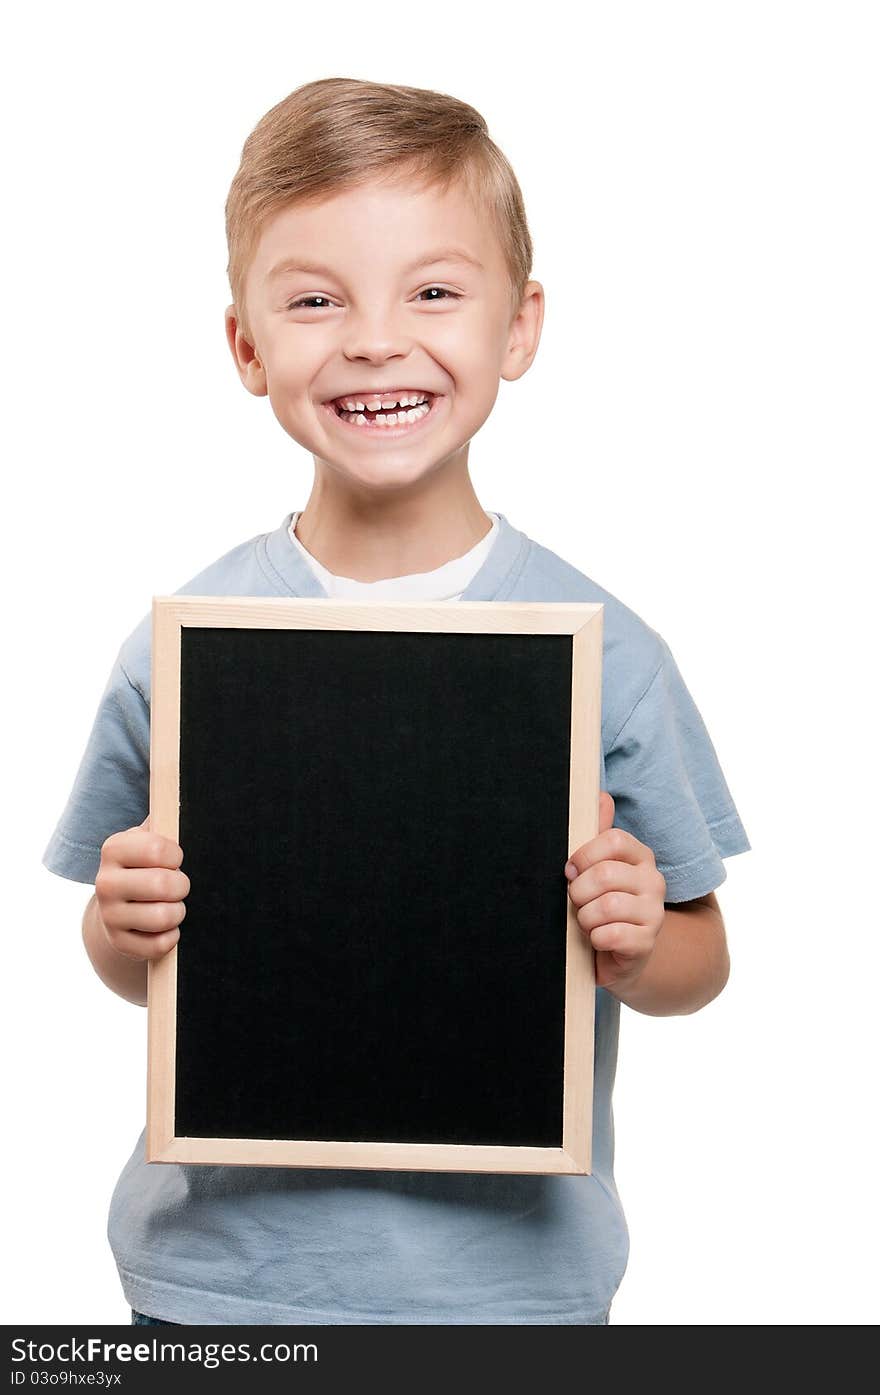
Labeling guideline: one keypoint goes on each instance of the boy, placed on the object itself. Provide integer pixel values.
(379, 264)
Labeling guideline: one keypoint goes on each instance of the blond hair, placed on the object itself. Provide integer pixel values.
(337, 133)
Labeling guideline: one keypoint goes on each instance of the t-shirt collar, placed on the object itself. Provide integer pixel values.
(291, 574)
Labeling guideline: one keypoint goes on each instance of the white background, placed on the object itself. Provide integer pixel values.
(698, 434)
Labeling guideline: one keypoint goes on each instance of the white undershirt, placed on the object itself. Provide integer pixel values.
(446, 583)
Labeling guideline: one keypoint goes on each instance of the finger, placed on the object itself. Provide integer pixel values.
(603, 877)
(136, 945)
(146, 917)
(137, 847)
(615, 906)
(614, 844)
(606, 820)
(626, 942)
(609, 969)
(115, 882)
(155, 884)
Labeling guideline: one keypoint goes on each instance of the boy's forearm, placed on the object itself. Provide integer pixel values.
(689, 965)
(126, 976)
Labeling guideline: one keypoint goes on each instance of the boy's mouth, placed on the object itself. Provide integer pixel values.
(393, 411)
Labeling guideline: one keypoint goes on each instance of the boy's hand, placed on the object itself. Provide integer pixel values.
(139, 889)
(620, 898)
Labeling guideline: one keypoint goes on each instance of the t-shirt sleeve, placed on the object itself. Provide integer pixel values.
(111, 789)
(669, 790)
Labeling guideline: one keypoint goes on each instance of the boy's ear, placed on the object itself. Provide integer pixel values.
(247, 360)
(525, 332)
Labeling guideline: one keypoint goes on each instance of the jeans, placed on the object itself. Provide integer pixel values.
(143, 1320)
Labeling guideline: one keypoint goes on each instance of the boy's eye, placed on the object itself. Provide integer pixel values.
(443, 291)
(308, 301)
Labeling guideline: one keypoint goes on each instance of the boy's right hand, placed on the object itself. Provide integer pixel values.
(139, 889)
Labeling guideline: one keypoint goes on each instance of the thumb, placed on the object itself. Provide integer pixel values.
(606, 811)
(146, 823)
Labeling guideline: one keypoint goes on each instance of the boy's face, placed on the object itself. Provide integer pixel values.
(350, 314)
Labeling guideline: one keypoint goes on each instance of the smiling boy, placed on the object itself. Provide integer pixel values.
(356, 298)
(379, 264)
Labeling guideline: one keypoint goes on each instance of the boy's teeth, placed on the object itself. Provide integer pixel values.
(388, 418)
(357, 404)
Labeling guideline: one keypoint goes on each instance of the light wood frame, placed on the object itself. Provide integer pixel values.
(584, 623)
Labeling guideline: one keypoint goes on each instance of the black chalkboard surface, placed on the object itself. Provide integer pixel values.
(379, 965)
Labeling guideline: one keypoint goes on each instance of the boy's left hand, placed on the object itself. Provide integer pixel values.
(620, 899)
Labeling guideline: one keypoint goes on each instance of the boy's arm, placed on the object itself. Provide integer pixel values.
(688, 966)
(125, 975)
(659, 958)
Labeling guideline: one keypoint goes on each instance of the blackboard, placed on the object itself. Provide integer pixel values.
(379, 965)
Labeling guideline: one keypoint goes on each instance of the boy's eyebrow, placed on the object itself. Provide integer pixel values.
(442, 254)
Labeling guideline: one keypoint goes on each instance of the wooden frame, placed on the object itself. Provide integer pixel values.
(584, 623)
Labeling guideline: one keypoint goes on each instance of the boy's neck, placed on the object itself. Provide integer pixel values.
(373, 542)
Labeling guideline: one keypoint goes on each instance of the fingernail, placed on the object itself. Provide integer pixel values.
(570, 870)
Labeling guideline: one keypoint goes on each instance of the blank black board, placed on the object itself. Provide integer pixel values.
(375, 826)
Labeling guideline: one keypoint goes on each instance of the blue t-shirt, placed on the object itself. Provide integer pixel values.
(208, 1244)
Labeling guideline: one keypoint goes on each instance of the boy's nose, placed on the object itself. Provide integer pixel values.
(377, 350)
(376, 336)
